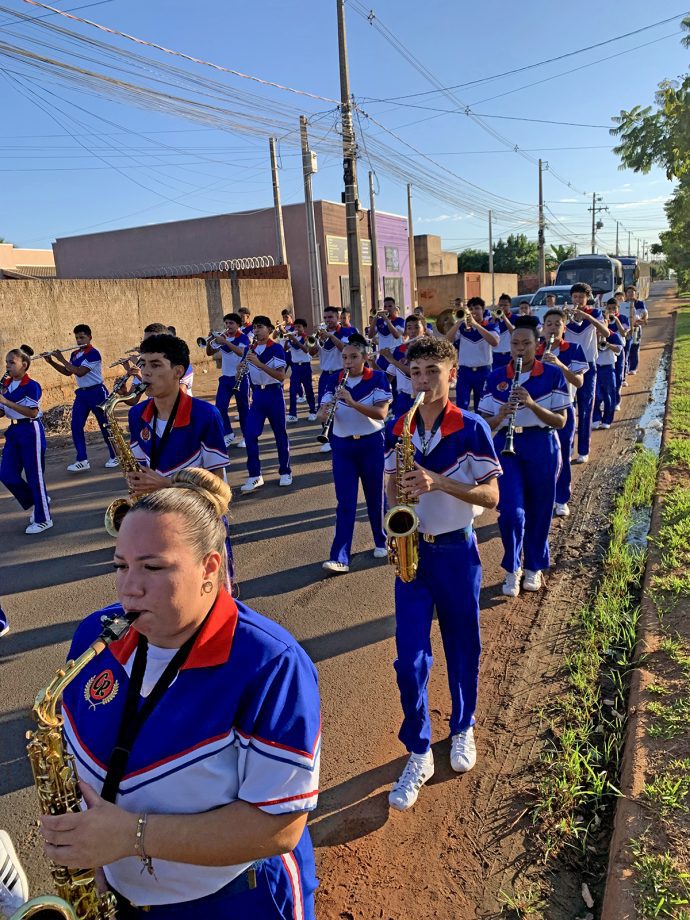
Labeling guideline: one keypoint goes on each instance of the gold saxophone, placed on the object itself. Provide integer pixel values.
(117, 509)
(57, 786)
(401, 523)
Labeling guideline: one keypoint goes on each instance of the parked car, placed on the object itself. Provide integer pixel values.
(561, 291)
(516, 301)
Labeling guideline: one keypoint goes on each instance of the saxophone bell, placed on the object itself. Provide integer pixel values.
(45, 907)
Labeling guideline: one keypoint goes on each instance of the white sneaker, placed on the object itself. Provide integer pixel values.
(241, 443)
(291, 418)
(301, 400)
(581, 458)
(631, 373)
(604, 426)
(339, 568)
(229, 439)
(625, 383)
(418, 770)
(12, 874)
(311, 417)
(38, 528)
(618, 407)
(596, 426)
(285, 479)
(511, 583)
(561, 509)
(252, 482)
(32, 519)
(531, 581)
(463, 751)
(326, 448)
(380, 552)
(111, 463)
(3, 632)
(79, 466)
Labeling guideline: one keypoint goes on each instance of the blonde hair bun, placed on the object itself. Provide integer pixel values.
(205, 483)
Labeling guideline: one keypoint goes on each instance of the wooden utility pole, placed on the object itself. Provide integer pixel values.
(280, 230)
(309, 167)
(410, 245)
(541, 237)
(491, 259)
(376, 289)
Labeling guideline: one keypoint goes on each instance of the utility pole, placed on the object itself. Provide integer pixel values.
(376, 293)
(280, 231)
(350, 196)
(629, 252)
(542, 255)
(617, 252)
(410, 245)
(638, 249)
(309, 167)
(491, 260)
(596, 224)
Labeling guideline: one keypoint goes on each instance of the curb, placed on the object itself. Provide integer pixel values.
(618, 903)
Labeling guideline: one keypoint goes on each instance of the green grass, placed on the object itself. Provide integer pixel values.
(679, 402)
(677, 452)
(527, 902)
(670, 719)
(669, 790)
(663, 889)
(673, 540)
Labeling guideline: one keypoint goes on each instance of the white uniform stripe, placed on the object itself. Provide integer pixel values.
(39, 472)
(292, 869)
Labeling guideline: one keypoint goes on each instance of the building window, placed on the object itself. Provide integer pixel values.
(392, 259)
(394, 287)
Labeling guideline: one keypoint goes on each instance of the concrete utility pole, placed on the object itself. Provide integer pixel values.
(491, 259)
(542, 254)
(596, 224)
(410, 246)
(376, 291)
(309, 167)
(629, 251)
(351, 196)
(638, 249)
(617, 252)
(280, 231)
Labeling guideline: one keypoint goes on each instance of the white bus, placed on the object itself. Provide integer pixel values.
(603, 274)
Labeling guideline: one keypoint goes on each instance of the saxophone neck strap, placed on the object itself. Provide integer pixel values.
(423, 438)
(157, 445)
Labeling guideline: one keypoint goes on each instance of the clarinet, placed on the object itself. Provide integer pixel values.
(327, 427)
(509, 447)
(243, 368)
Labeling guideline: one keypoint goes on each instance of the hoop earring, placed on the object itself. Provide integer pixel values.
(207, 587)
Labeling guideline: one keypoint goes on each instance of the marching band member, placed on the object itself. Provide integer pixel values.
(619, 297)
(609, 349)
(266, 374)
(346, 323)
(550, 301)
(388, 328)
(414, 329)
(201, 769)
(429, 327)
(170, 430)
(24, 454)
(620, 324)
(474, 337)
(330, 342)
(187, 381)
(454, 478)
(637, 311)
(232, 346)
(501, 353)
(85, 364)
(582, 330)
(570, 359)
(300, 375)
(357, 443)
(246, 328)
(528, 485)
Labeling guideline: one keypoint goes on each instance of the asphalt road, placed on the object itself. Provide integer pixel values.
(51, 581)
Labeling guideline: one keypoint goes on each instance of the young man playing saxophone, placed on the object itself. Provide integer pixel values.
(455, 476)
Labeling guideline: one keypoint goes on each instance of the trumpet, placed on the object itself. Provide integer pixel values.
(203, 342)
(498, 313)
(460, 314)
(128, 356)
(311, 340)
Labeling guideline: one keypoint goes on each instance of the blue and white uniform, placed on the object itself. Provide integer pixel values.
(89, 397)
(574, 359)
(640, 313)
(4, 622)
(501, 353)
(23, 457)
(226, 382)
(240, 722)
(386, 339)
(449, 574)
(605, 399)
(187, 380)
(300, 375)
(248, 330)
(357, 444)
(474, 363)
(622, 357)
(528, 485)
(585, 335)
(349, 330)
(267, 405)
(331, 363)
(403, 384)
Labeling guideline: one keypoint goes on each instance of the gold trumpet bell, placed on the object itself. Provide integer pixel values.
(115, 513)
(401, 525)
(45, 907)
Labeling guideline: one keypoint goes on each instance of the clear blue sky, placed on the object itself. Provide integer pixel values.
(72, 161)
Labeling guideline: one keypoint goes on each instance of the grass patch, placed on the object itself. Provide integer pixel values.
(677, 452)
(673, 574)
(527, 902)
(579, 781)
(669, 790)
(670, 719)
(663, 889)
(679, 401)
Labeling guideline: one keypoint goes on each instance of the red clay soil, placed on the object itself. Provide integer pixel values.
(467, 839)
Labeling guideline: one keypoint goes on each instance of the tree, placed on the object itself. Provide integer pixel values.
(516, 255)
(473, 260)
(561, 252)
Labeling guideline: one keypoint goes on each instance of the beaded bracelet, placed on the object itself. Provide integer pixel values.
(139, 845)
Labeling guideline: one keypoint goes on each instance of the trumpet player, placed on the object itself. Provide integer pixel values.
(454, 477)
(86, 366)
(538, 402)
(474, 337)
(300, 375)
(637, 311)
(610, 348)
(357, 445)
(246, 327)
(388, 327)
(232, 345)
(504, 321)
(330, 341)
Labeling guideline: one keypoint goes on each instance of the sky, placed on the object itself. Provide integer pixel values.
(75, 159)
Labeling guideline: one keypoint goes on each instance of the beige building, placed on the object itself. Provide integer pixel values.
(26, 263)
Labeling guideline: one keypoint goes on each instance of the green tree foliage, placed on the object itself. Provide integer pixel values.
(660, 136)
(473, 260)
(561, 252)
(516, 254)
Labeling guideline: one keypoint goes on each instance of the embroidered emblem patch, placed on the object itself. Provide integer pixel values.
(145, 434)
(503, 385)
(102, 688)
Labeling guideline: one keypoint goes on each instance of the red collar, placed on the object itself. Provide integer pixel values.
(213, 644)
(269, 343)
(564, 346)
(367, 374)
(453, 420)
(537, 369)
(84, 350)
(238, 334)
(184, 411)
(25, 379)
